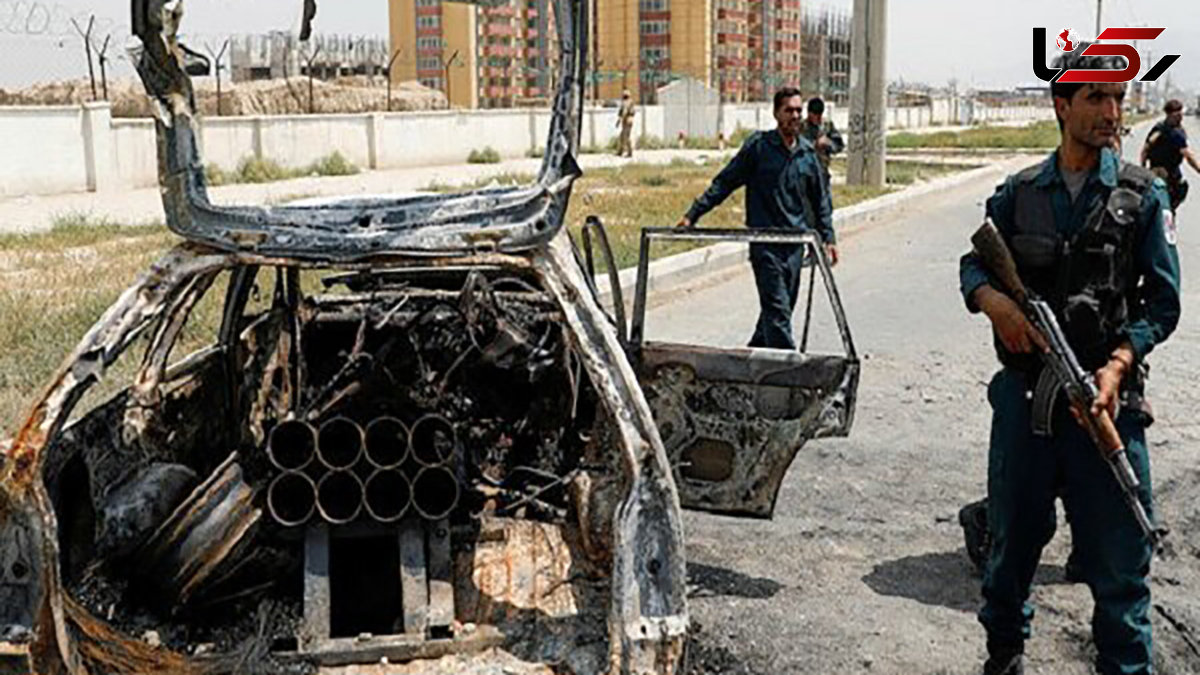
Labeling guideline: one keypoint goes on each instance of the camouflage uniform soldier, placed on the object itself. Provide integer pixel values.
(625, 121)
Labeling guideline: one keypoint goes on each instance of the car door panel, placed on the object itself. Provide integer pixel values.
(733, 419)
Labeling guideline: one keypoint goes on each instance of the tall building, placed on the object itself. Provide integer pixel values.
(825, 54)
(743, 48)
(640, 46)
(502, 55)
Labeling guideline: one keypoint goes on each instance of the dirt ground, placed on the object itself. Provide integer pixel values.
(863, 569)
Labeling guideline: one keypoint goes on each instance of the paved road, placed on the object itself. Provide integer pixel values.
(862, 570)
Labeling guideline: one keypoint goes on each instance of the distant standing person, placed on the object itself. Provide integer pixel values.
(1165, 149)
(822, 134)
(782, 176)
(625, 121)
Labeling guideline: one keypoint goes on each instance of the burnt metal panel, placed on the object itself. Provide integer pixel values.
(733, 419)
(504, 219)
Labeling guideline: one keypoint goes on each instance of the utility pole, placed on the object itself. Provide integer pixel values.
(1099, 8)
(868, 95)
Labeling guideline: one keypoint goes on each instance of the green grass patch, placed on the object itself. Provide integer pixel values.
(1037, 135)
(334, 164)
(264, 170)
(486, 155)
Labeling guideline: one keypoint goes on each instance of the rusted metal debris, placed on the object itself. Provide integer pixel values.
(208, 532)
(451, 447)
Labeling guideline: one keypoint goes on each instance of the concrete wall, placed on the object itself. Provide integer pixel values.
(135, 153)
(52, 150)
(43, 150)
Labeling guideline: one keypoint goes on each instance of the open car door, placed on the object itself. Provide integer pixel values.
(733, 418)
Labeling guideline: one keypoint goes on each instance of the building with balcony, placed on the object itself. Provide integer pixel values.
(497, 56)
(745, 49)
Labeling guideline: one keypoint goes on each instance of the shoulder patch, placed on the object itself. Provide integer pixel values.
(1170, 231)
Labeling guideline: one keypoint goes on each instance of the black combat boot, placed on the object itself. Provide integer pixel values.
(1005, 660)
(974, 520)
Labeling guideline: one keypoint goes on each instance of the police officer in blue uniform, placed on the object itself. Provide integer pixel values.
(784, 189)
(1165, 150)
(1089, 235)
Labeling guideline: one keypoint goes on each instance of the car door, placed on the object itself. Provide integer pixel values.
(733, 418)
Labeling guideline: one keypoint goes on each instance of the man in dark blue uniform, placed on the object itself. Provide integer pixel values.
(784, 189)
(822, 134)
(1165, 149)
(1089, 235)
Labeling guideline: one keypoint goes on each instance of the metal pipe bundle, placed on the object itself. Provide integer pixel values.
(385, 469)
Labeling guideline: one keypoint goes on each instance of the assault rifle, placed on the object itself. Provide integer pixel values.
(1063, 368)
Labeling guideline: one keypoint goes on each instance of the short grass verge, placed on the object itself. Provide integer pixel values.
(1037, 135)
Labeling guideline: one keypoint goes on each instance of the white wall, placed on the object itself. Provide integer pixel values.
(135, 152)
(43, 150)
(48, 150)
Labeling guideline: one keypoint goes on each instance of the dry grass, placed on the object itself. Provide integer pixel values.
(53, 287)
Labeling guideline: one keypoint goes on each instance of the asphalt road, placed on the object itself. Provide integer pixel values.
(862, 570)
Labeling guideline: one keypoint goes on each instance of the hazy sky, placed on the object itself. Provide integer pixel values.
(983, 43)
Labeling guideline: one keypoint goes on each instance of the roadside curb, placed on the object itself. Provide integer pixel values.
(687, 268)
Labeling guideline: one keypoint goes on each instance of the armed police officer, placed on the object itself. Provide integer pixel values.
(785, 190)
(822, 134)
(1165, 150)
(1088, 234)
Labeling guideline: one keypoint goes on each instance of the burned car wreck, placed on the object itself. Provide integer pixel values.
(415, 436)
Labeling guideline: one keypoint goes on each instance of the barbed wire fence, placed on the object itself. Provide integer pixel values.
(52, 54)
(45, 43)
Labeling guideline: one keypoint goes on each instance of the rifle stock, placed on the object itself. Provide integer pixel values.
(990, 247)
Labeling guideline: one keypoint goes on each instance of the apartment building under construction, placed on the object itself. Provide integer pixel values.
(498, 56)
(504, 55)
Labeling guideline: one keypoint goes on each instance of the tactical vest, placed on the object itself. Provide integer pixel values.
(1161, 152)
(1087, 278)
